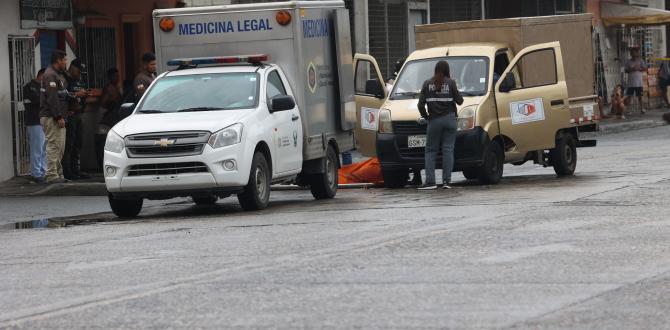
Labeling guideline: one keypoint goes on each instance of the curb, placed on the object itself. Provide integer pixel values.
(631, 126)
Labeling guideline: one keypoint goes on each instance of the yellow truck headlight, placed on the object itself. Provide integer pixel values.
(385, 123)
(466, 117)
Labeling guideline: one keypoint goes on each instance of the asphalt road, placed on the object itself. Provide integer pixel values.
(589, 251)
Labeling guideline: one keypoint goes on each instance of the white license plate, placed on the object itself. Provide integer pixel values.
(416, 141)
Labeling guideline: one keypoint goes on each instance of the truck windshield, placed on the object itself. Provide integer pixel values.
(470, 74)
(202, 92)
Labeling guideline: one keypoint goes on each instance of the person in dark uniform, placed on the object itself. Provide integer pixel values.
(110, 102)
(146, 76)
(441, 95)
(73, 139)
(38, 151)
(53, 109)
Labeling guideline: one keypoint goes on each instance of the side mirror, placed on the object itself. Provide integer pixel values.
(508, 83)
(126, 109)
(281, 103)
(374, 87)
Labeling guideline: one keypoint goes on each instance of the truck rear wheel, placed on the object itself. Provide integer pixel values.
(256, 195)
(324, 185)
(205, 200)
(395, 179)
(564, 156)
(491, 170)
(125, 208)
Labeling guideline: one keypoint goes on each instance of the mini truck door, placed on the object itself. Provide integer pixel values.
(370, 93)
(531, 109)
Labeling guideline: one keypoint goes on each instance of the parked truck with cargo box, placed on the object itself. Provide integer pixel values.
(528, 85)
(250, 95)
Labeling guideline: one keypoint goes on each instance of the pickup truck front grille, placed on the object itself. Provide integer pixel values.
(168, 144)
(167, 169)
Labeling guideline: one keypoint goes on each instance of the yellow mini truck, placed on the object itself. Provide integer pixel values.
(517, 107)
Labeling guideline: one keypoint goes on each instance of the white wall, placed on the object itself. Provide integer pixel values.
(9, 25)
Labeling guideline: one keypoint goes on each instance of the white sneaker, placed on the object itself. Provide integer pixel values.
(446, 186)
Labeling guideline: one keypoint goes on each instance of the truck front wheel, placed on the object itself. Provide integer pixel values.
(492, 169)
(324, 185)
(564, 156)
(395, 179)
(256, 195)
(125, 208)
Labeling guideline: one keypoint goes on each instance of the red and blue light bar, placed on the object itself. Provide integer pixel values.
(253, 59)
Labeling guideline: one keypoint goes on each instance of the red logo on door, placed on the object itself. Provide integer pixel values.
(526, 109)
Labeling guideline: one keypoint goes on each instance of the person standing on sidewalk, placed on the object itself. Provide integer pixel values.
(73, 123)
(53, 109)
(635, 67)
(441, 95)
(31, 99)
(664, 81)
(146, 76)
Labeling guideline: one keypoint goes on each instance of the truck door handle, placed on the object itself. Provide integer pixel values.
(295, 117)
(557, 102)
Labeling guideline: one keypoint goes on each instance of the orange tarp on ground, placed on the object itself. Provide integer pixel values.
(368, 171)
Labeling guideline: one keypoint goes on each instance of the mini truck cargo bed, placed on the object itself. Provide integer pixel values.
(309, 40)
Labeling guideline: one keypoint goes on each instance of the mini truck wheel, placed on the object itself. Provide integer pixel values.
(395, 179)
(125, 208)
(492, 170)
(564, 156)
(256, 195)
(324, 185)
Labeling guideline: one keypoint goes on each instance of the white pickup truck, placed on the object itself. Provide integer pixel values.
(216, 124)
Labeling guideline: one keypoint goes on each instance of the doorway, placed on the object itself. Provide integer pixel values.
(21, 71)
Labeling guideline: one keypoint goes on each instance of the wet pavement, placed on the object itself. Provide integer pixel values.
(535, 251)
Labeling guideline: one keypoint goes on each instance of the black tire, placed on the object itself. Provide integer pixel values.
(564, 156)
(205, 200)
(492, 170)
(396, 179)
(256, 195)
(324, 186)
(125, 208)
(471, 173)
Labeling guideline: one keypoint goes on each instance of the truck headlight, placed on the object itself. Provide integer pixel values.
(466, 117)
(114, 143)
(385, 123)
(226, 137)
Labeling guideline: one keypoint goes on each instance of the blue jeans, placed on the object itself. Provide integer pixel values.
(441, 132)
(38, 150)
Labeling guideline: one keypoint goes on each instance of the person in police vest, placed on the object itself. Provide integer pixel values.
(73, 123)
(146, 76)
(440, 94)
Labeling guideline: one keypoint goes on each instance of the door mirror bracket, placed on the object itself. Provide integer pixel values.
(508, 83)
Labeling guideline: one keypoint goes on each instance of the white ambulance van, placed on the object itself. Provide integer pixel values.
(249, 95)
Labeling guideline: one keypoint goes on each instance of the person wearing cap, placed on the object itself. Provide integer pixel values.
(146, 76)
(73, 137)
(53, 109)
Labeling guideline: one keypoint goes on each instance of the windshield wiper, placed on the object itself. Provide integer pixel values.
(200, 109)
(151, 111)
(412, 94)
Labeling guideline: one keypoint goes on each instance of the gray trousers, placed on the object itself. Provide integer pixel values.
(441, 132)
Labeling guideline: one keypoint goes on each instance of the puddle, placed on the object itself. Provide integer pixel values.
(38, 224)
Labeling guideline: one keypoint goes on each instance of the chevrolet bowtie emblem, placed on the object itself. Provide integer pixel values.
(163, 143)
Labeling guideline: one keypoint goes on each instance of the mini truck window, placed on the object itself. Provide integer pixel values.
(202, 92)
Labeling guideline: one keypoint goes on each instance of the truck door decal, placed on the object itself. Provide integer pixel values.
(526, 111)
(311, 77)
(369, 119)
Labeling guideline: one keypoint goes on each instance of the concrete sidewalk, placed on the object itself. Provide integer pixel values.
(21, 186)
